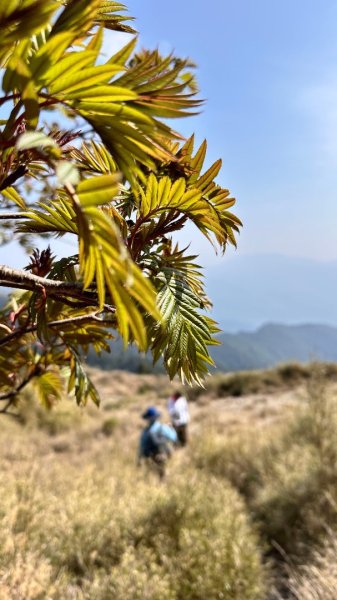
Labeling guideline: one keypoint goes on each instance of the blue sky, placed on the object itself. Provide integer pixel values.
(269, 73)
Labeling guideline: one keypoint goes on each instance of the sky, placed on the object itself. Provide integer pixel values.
(268, 72)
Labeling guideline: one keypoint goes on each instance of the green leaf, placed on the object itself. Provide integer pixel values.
(98, 190)
(49, 387)
(70, 63)
(84, 78)
(34, 139)
(124, 54)
(11, 194)
(186, 334)
(104, 94)
(49, 54)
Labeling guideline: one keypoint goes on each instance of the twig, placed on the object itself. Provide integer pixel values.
(58, 323)
(12, 177)
(17, 215)
(17, 278)
(9, 276)
(9, 97)
(4, 410)
(11, 395)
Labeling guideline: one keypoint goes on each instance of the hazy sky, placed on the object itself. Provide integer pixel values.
(268, 70)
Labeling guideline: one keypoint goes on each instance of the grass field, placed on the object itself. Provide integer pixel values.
(247, 512)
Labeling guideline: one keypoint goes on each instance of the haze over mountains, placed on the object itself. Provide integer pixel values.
(273, 344)
(249, 291)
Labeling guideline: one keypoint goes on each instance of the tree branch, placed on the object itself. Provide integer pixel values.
(12, 393)
(12, 177)
(32, 282)
(9, 97)
(17, 278)
(17, 215)
(58, 323)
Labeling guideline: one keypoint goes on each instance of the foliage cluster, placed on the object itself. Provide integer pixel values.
(87, 152)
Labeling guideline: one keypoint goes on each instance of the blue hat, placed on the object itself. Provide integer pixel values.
(151, 413)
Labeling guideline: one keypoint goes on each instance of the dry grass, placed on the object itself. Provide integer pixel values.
(317, 581)
(101, 531)
(79, 520)
(255, 491)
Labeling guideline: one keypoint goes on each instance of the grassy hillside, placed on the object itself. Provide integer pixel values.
(247, 511)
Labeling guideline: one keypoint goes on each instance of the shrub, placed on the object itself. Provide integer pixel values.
(218, 554)
(200, 533)
(28, 578)
(242, 383)
(61, 418)
(297, 498)
(236, 457)
(109, 426)
(292, 373)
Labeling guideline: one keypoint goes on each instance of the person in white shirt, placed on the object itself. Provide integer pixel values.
(178, 411)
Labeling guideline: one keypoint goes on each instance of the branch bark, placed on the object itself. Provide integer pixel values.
(19, 279)
(17, 215)
(32, 282)
(58, 323)
(12, 177)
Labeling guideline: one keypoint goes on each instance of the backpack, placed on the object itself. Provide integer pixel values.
(155, 439)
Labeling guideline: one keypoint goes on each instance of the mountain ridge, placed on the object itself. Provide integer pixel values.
(267, 346)
(273, 343)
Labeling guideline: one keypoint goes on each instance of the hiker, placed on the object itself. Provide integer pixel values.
(156, 441)
(178, 411)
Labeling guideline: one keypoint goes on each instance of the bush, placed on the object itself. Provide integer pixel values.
(198, 537)
(236, 457)
(63, 417)
(109, 426)
(292, 373)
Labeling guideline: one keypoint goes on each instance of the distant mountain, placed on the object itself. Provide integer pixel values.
(248, 291)
(273, 344)
(268, 346)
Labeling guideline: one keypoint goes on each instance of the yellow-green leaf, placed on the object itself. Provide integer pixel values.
(98, 190)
